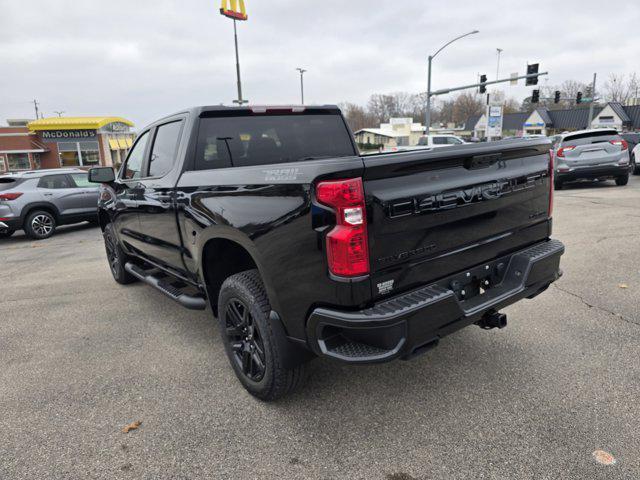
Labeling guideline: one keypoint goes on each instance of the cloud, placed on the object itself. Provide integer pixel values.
(147, 58)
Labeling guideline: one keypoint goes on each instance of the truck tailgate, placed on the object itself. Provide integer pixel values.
(434, 213)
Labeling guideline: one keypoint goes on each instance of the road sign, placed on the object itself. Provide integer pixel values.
(234, 9)
(514, 78)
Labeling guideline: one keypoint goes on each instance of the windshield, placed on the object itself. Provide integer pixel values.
(249, 140)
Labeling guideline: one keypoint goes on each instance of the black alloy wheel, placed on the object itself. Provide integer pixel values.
(245, 340)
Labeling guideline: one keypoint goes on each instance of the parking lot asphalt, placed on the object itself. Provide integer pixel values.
(81, 357)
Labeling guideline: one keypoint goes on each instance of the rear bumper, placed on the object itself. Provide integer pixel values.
(591, 173)
(408, 324)
(10, 224)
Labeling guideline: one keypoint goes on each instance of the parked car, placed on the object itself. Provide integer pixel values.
(303, 248)
(632, 138)
(38, 201)
(599, 154)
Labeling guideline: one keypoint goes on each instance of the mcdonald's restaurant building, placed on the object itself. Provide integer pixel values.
(65, 142)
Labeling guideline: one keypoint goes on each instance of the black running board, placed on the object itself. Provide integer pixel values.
(192, 302)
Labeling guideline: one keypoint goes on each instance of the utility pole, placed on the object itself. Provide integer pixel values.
(302, 72)
(499, 50)
(35, 105)
(593, 99)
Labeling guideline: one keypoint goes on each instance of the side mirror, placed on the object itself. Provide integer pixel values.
(102, 175)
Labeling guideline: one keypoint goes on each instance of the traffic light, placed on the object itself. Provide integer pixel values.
(483, 87)
(532, 69)
(535, 96)
(556, 98)
(579, 97)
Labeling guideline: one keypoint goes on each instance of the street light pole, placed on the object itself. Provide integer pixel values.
(302, 72)
(499, 50)
(427, 116)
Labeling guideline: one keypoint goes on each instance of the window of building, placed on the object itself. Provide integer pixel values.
(18, 161)
(55, 182)
(89, 153)
(3, 165)
(69, 156)
(165, 148)
(35, 159)
(133, 166)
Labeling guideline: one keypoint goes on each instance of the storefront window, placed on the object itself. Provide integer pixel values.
(3, 165)
(35, 159)
(18, 161)
(68, 154)
(74, 154)
(89, 153)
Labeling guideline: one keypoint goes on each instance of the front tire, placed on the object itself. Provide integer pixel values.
(116, 257)
(249, 340)
(39, 225)
(635, 170)
(621, 181)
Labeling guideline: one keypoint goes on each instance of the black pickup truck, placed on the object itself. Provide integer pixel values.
(302, 247)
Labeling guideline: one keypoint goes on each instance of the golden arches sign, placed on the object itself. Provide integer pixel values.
(234, 9)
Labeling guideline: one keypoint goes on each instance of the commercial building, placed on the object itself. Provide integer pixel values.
(398, 132)
(550, 122)
(64, 142)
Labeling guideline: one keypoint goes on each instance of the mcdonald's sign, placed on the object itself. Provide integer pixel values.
(234, 9)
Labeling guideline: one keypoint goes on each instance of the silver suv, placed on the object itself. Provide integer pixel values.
(39, 200)
(599, 154)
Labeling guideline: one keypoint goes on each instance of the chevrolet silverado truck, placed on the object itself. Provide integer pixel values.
(303, 248)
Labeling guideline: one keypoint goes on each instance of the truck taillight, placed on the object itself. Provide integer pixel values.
(347, 250)
(10, 196)
(551, 178)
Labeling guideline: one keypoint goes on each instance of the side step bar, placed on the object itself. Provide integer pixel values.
(192, 302)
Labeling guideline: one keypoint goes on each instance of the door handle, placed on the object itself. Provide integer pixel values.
(48, 194)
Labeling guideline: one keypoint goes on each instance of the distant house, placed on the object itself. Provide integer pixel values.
(550, 122)
(398, 132)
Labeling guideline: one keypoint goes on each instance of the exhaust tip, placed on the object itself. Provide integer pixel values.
(493, 320)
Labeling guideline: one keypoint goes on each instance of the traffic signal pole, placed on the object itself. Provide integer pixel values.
(492, 82)
(593, 99)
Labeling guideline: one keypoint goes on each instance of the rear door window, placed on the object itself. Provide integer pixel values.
(165, 149)
(250, 140)
(439, 140)
(54, 182)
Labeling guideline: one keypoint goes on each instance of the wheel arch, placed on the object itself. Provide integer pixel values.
(226, 254)
(48, 207)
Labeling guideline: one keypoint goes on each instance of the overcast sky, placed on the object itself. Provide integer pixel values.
(146, 58)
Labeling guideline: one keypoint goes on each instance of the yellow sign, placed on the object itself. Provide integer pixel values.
(234, 9)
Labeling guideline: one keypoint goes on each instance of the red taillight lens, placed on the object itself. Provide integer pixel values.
(9, 196)
(568, 148)
(551, 178)
(347, 250)
(622, 143)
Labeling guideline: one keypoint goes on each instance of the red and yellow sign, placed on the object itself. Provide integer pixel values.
(234, 9)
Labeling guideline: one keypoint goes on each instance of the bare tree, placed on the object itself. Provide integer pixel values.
(617, 89)
(465, 105)
(357, 117)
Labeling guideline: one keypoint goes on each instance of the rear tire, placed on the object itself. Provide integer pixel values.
(39, 225)
(635, 170)
(116, 257)
(7, 233)
(250, 341)
(621, 181)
